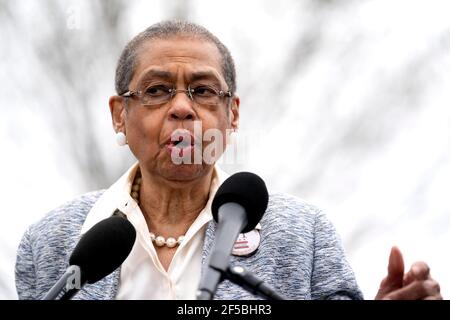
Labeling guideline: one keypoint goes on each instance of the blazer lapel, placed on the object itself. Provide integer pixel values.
(209, 241)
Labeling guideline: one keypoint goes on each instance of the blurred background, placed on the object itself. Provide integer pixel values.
(350, 99)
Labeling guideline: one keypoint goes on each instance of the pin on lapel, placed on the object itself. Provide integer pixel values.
(247, 243)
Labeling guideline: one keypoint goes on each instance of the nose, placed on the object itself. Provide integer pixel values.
(181, 107)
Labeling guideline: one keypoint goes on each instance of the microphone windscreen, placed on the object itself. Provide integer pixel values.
(246, 189)
(103, 248)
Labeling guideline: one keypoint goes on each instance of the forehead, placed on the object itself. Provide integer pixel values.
(181, 53)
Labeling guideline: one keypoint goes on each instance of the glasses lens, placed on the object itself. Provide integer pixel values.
(156, 94)
(206, 95)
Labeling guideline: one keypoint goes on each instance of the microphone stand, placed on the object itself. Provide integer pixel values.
(238, 275)
(58, 287)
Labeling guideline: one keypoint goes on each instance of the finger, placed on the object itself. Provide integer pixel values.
(408, 278)
(396, 268)
(416, 291)
(437, 297)
(394, 279)
(433, 286)
(420, 271)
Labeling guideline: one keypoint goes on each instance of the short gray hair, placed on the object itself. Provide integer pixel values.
(164, 30)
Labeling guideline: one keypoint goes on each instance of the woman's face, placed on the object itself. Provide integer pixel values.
(177, 62)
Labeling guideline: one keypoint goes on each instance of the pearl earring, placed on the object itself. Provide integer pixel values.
(233, 138)
(121, 138)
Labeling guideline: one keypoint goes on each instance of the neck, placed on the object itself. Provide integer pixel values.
(169, 207)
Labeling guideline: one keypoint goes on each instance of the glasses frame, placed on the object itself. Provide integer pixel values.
(173, 91)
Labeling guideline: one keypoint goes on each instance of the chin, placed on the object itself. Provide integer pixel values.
(184, 172)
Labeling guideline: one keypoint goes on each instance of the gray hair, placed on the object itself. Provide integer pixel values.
(169, 29)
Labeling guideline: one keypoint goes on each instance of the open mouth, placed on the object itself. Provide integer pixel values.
(180, 144)
(183, 142)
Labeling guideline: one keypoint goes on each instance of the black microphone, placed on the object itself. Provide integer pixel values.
(100, 251)
(238, 206)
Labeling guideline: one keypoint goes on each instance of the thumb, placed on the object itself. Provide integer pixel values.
(396, 268)
(394, 278)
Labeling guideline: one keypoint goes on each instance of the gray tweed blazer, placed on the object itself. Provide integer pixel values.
(300, 254)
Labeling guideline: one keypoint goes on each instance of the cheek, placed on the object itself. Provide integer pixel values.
(218, 125)
(219, 120)
(143, 135)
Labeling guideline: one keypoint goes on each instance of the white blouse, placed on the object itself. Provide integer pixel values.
(142, 275)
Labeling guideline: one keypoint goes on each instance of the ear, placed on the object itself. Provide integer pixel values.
(234, 113)
(118, 113)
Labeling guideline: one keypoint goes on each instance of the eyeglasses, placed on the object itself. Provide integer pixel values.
(160, 94)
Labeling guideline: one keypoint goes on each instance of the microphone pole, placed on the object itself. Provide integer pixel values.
(63, 283)
(251, 283)
(238, 206)
(233, 218)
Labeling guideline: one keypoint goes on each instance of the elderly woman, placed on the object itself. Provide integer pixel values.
(170, 78)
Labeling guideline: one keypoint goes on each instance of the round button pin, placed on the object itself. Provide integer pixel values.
(246, 243)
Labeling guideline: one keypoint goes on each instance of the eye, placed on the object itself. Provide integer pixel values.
(157, 90)
(204, 91)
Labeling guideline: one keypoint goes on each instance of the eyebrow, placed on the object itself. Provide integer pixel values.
(198, 75)
(154, 73)
(203, 75)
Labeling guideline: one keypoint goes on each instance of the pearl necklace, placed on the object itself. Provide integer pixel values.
(160, 241)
